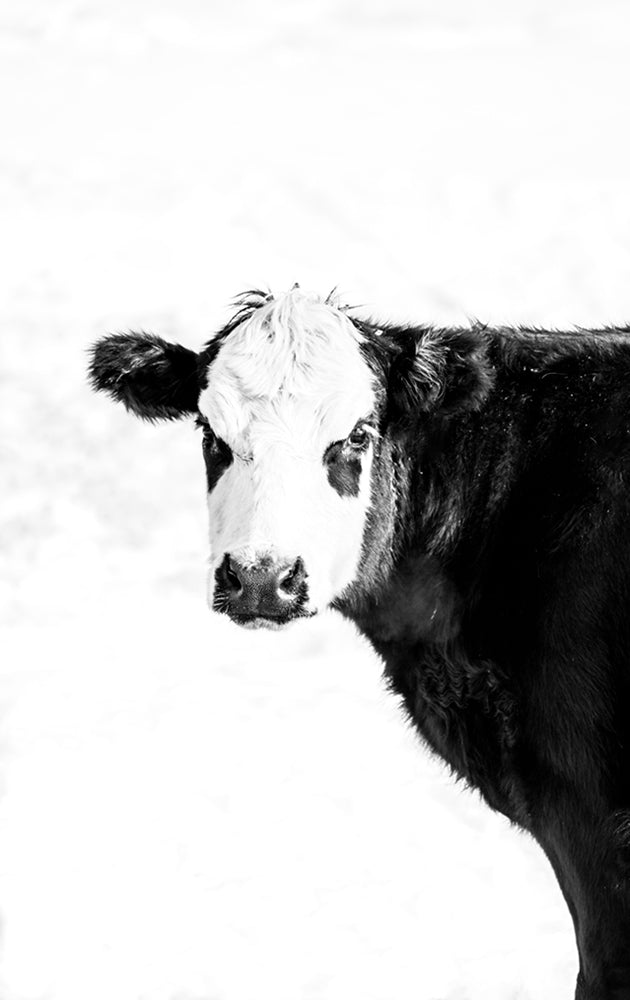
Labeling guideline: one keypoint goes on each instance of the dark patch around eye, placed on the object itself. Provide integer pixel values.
(217, 456)
(343, 468)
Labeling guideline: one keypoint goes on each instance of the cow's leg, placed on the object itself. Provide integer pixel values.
(605, 991)
(602, 930)
(592, 865)
(603, 939)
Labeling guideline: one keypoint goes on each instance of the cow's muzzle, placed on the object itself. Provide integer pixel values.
(264, 594)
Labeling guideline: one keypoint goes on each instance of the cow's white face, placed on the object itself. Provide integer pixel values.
(289, 426)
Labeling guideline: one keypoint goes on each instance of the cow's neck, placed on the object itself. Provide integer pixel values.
(422, 618)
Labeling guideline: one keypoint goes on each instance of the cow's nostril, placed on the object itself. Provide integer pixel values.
(292, 577)
(231, 575)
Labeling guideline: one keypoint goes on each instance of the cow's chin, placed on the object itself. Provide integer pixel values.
(271, 624)
(268, 623)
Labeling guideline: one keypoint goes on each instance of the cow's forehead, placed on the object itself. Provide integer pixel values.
(294, 367)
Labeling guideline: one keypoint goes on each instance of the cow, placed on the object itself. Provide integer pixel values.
(462, 495)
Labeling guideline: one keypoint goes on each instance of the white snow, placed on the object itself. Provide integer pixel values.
(189, 812)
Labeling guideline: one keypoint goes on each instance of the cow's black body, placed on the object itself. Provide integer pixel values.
(494, 578)
(504, 622)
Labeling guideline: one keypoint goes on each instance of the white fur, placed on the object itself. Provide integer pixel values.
(287, 383)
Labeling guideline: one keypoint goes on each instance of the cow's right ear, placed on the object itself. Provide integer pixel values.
(154, 379)
(439, 371)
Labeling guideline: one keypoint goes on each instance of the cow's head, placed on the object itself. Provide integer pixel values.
(299, 408)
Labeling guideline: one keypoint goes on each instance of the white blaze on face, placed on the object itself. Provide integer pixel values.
(285, 385)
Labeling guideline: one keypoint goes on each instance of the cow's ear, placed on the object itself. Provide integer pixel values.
(441, 371)
(154, 379)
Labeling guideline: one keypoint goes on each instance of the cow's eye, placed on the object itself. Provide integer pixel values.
(213, 446)
(217, 454)
(359, 438)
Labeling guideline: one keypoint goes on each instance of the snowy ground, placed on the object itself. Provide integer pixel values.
(189, 812)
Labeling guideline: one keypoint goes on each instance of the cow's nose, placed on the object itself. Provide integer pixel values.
(268, 590)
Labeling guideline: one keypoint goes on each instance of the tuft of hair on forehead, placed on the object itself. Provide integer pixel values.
(252, 299)
(275, 343)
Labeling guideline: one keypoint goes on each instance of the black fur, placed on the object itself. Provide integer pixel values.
(503, 616)
(495, 576)
(154, 379)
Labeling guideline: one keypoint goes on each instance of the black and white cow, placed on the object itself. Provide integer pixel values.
(463, 495)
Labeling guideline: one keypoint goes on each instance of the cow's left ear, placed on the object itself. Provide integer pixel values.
(154, 379)
(437, 370)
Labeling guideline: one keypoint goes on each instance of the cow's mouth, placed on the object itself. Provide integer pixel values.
(262, 621)
(259, 622)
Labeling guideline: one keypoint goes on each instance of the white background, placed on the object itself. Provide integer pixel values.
(189, 812)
